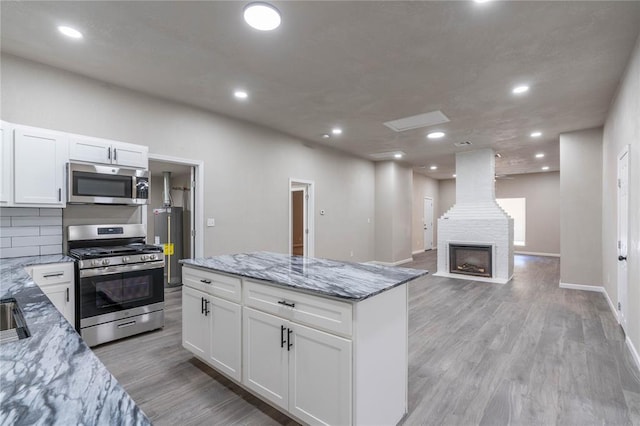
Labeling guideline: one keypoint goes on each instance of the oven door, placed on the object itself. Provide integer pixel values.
(112, 289)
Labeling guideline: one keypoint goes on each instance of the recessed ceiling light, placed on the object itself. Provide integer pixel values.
(397, 155)
(536, 134)
(336, 131)
(539, 155)
(435, 135)
(326, 136)
(262, 16)
(433, 167)
(240, 94)
(545, 168)
(70, 32)
(520, 89)
(453, 175)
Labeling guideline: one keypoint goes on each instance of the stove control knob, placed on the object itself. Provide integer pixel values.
(143, 257)
(96, 262)
(106, 261)
(125, 259)
(152, 256)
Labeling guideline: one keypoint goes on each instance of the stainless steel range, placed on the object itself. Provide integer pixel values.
(119, 281)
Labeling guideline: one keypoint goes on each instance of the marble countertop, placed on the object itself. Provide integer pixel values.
(343, 280)
(53, 377)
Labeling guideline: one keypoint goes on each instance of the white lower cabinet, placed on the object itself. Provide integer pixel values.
(321, 360)
(211, 330)
(57, 282)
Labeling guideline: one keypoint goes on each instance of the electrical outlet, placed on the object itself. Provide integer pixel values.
(211, 222)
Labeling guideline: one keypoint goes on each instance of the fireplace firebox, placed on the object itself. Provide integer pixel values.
(470, 259)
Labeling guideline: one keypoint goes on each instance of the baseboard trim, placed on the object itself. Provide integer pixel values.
(399, 262)
(634, 352)
(417, 252)
(534, 253)
(598, 289)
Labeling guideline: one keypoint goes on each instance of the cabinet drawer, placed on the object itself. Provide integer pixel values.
(56, 273)
(219, 285)
(325, 314)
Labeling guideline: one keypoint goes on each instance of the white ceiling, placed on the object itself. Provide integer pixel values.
(358, 64)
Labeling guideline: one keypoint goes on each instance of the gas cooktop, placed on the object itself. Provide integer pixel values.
(107, 251)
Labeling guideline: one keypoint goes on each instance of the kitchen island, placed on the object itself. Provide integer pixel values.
(53, 377)
(323, 341)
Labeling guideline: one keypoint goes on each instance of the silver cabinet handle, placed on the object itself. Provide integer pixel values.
(109, 154)
(67, 294)
(60, 194)
(115, 154)
(59, 274)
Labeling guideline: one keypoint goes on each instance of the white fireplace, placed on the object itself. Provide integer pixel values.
(477, 224)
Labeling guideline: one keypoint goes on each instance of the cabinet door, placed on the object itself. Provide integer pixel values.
(89, 149)
(265, 356)
(224, 351)
(320, 377)
(39, 167)
(6, 161)
(195, 325)
(61, 295)
(130, 155)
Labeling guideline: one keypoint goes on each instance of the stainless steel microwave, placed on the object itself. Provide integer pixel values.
(100, 184)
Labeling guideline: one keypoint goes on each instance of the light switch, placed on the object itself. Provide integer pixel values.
(211, 221)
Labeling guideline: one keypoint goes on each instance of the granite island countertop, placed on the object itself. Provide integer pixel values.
(53, 377)
(343, 280)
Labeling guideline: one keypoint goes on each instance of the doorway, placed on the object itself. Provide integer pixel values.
(301, 229)
(175, 220)
(427, 220)
(623, 235)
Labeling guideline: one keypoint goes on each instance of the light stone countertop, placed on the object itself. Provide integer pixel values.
(53, 377)
(342, 280)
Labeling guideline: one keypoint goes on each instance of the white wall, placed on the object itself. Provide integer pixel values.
(247, 167)
(622, 127)
(581, 207)
(423, 186)
(393, 201)
(542, 192)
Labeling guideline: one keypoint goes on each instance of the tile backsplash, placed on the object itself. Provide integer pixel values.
(26, 231)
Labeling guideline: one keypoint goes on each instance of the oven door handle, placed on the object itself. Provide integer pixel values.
(118, 269)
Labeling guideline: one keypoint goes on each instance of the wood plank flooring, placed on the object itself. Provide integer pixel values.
(524, 353)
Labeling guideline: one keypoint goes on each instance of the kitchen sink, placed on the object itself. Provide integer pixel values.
(12, 324)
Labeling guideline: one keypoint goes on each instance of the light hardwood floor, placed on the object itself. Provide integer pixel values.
(523, 353)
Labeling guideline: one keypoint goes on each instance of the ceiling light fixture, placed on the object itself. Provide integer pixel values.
(435, 135)
(545, 168)
(70, 32)
(481, 1)
(520, 89)
(539, 155)
(536, 134)
(240, 94)
(397, 155)
(326, 136)
(433, 167)
(262, 16)
(336, 131)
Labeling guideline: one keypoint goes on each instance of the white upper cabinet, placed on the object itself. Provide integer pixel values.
(6, 150)
(40, 158)
(96, 150)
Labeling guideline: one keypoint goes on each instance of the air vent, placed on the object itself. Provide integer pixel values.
(465, 143)
(417, 121)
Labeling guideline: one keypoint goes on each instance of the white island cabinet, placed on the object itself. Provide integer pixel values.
(323, 341)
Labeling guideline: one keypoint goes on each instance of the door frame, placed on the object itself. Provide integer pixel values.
(196, 197)
(622, 284)
(424, 217)
(309, 209)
